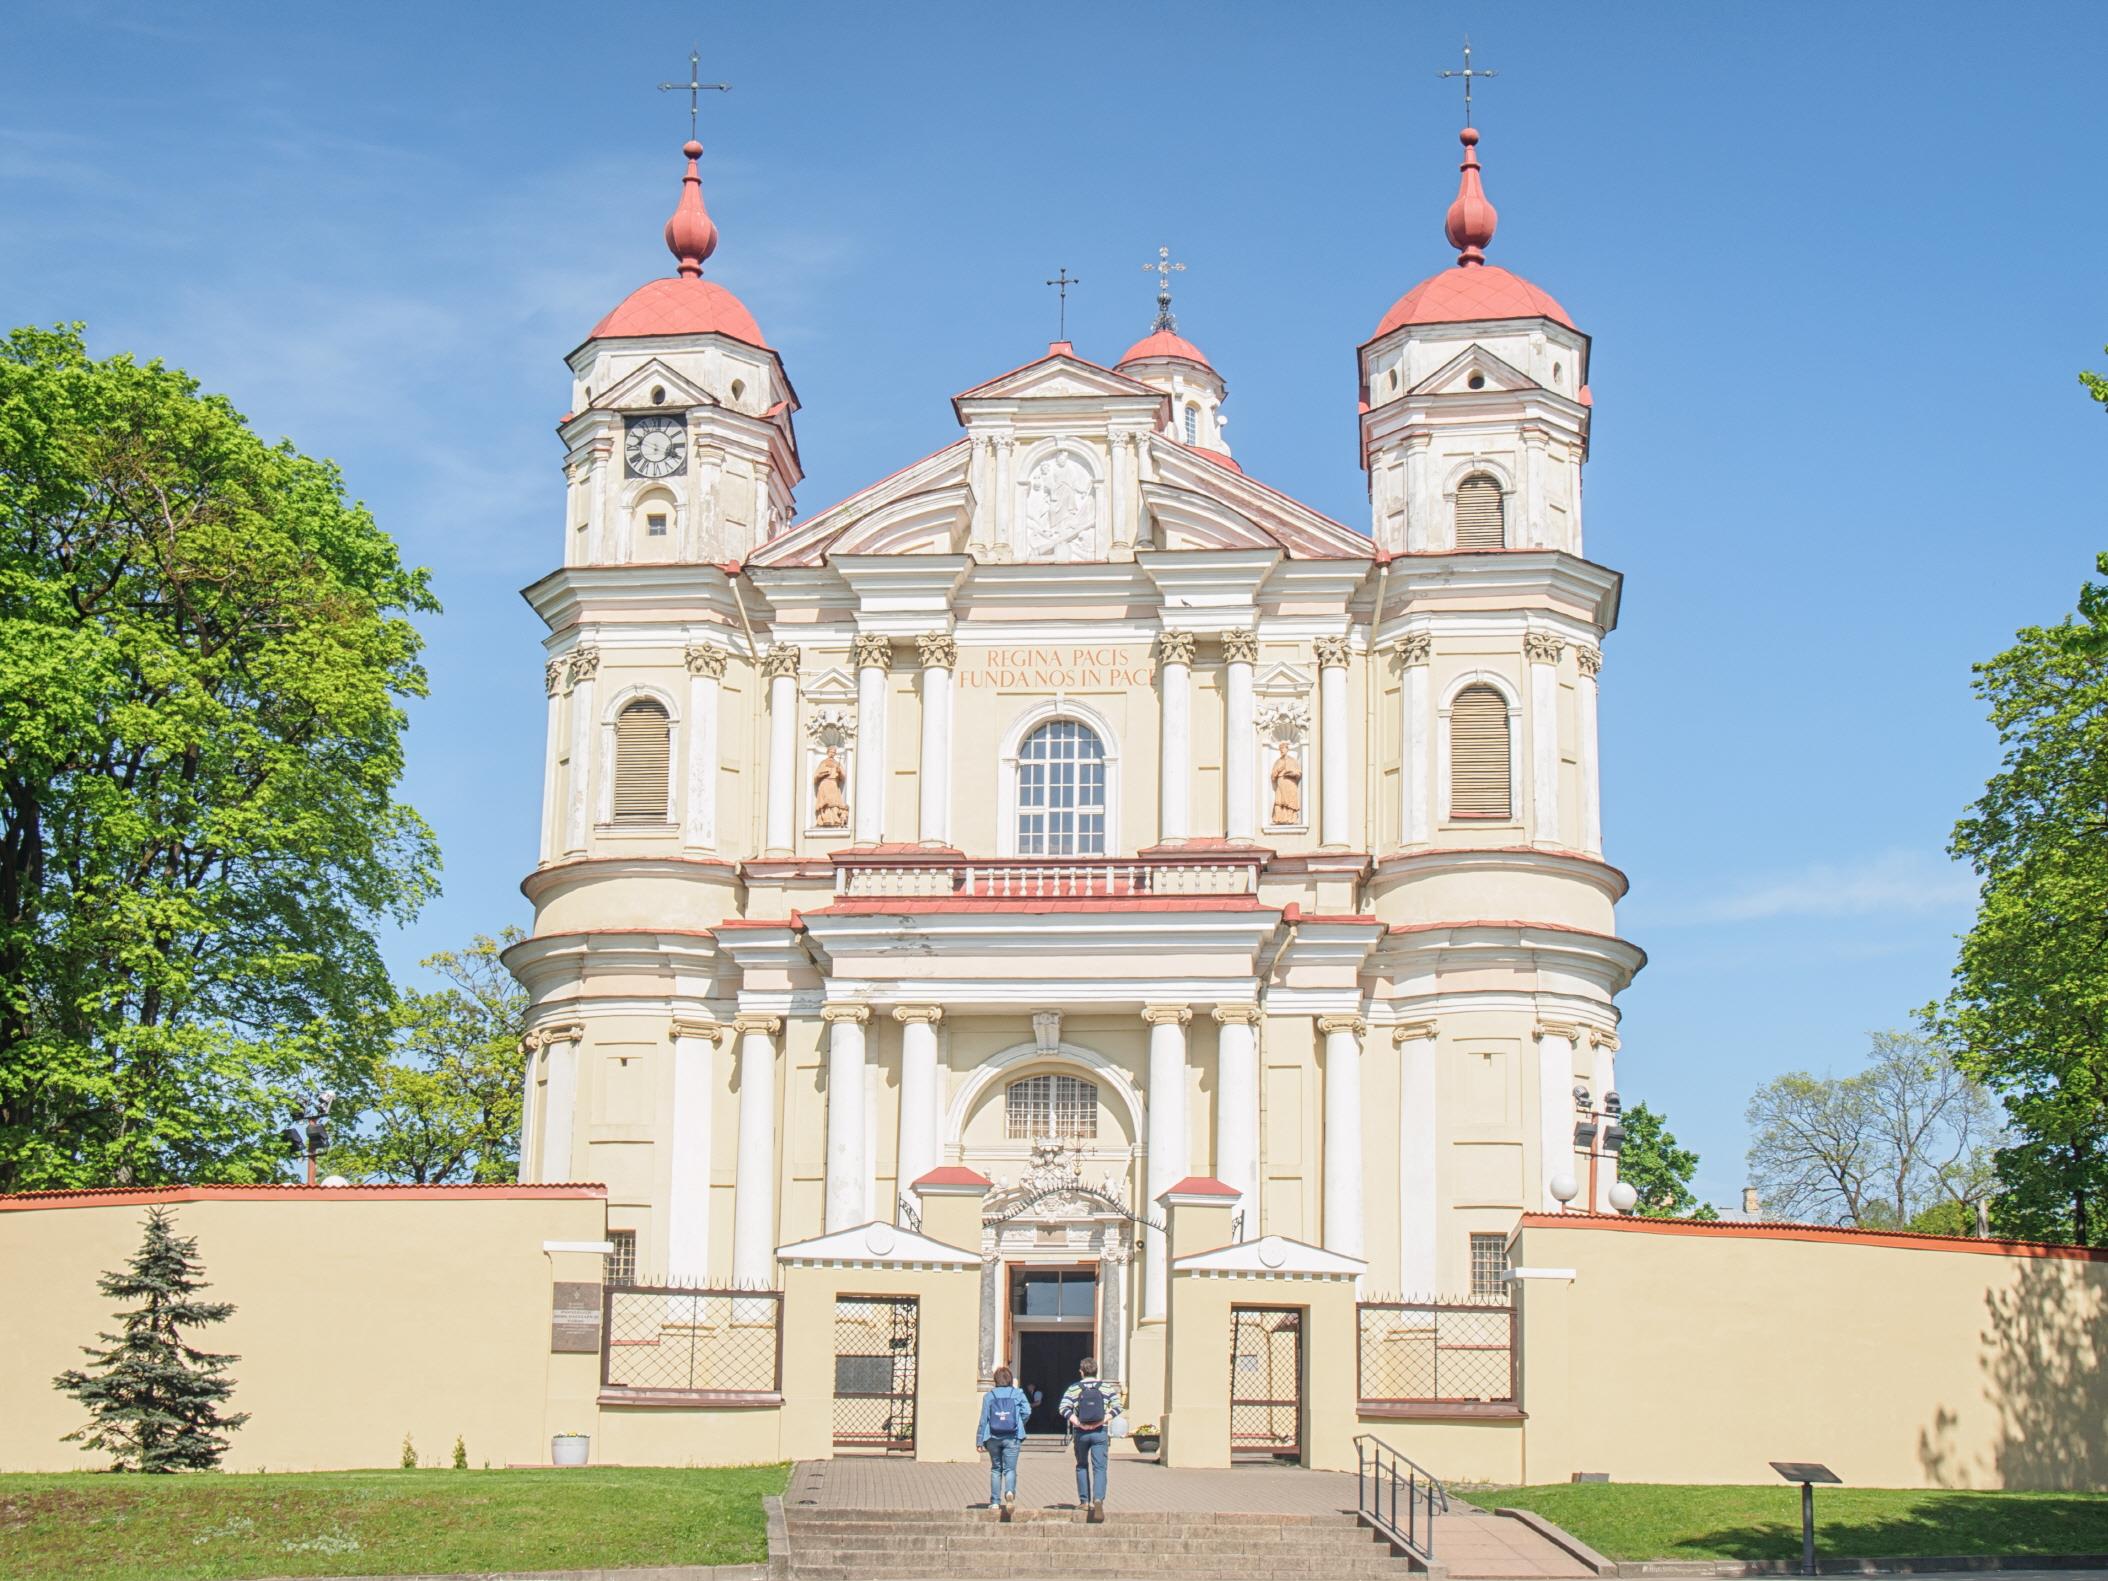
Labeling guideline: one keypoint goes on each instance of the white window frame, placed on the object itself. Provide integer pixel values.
(1020, 731)
(1444, 762)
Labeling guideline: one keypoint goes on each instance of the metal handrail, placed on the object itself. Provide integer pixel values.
(1388, 1486)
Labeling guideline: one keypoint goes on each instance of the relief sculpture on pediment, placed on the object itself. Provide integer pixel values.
(1060, 511)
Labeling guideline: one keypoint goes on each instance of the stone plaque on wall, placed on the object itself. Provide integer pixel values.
(574, 1321)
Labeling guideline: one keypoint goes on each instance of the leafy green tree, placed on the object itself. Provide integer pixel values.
(1883, 1147)
(2096, 384)
(204, 647)
(153, 1398)
(447, 1107)
(1653, 1165)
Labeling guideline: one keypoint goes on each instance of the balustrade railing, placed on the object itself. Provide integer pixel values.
(1046, 878)
(1396, 1496)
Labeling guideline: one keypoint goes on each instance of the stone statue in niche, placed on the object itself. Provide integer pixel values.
(1288, 788)
(1060, 510)
(830, 808)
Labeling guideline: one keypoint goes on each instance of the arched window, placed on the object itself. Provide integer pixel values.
(641, 737)
(1065, 1107)
(1192, 424)
(1479, 520)
(1478, 754)
(1061, 791)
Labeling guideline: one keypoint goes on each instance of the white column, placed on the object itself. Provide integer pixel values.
(1533, 511)
(1343, 1166)
(1167, 1142)
(1415, 728)
(1422, 497)
(1332, 742)
(1555, 1108)
(874, 662)
(754, 1180)
(980, 478)
(918, 1092)
(552, 784)
(1240, 738)
(600, 532)
(561, 1095)
(530, 1056)
(1175, 784)
(706, 671)
(1237, 1108)
(585, 664)
(939, 653)
(786, 795)
(1123, 489)
(1418, 1207)
(1542, 649)
(848, 1166)
(688, 1188)
(1591, 665)
(1602, 1081)
(1001, 525)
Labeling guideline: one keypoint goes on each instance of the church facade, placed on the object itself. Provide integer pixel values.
(1072, 820)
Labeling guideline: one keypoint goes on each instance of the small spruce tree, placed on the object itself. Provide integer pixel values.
(153, 1400)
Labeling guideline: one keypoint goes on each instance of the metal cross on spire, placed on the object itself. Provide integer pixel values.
(1062, 281)
(695, 88)
(1468, 73)
(1163, 269)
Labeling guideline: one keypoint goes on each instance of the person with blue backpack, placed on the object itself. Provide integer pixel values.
(1002, 1432)
(1089, 1406)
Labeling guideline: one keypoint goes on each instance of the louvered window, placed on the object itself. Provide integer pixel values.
(1478, 754)
(1479, 521)
(641, 733)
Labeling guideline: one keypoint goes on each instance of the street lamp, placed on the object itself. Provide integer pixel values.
(311, 1135)
(1601, 1131)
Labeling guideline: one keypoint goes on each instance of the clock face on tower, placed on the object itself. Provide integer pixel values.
(657, 446)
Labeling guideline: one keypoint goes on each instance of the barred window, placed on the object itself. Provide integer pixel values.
(1480, 522)
(1479, 767)
(1061, 791)
(1192, 424)
(642, 742)
(1489, 1266)
(622, 1261)
(1065, 1107)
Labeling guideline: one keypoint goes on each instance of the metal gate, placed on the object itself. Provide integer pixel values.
(876, 1339)
(1266, 1383)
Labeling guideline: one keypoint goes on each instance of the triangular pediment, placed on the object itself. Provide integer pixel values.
(1474, 361)
(633, 391)
(1273, 1256)
(921, 509)
(879, 1244)
(1200, 501)
(832, 685)
(1057, 376)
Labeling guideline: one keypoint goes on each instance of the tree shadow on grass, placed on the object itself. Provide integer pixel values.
(1932, 1524)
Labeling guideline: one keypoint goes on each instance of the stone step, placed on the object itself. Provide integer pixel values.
(1113, 1513)
(1112, 1570)
(1068, 1519)
(1015, 1553)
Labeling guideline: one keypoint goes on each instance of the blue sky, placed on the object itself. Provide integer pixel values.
(1841, 264)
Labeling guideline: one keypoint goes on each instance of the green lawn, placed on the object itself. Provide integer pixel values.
(1654, 1521)
(89, 1527)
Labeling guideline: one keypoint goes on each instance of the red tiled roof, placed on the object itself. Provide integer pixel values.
(1467, 292)
(676, 306)
(1164, 343)
(954, 1175)
(1200, 1186)
(114, 1196)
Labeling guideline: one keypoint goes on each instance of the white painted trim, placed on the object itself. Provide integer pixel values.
(603, 1248)
(1030, 719)
(1567, 1274)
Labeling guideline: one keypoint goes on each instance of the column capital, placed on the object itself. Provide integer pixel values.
(1590, 660)
(748, 1022)
(1556, 1029)
(1175, 647)
(874, 650)
(561, 1032)
(687, 1028)
(1413, 1032)
(1240, 647)
(1166, 1015)
(1331, 1024)
(938, 650)
(706, 661)
(584, 665)
(856, 1013)
(1415, 647)
(782, 659)
(1332, 653)
(1236, 1015)
(553, 675)
(928, 1015)
(1542, 647)
(1602, 1038)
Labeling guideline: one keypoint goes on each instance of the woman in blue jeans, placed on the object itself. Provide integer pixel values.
(1003, 1412)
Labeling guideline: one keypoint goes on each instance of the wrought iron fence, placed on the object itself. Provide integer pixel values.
(1437, 1353)
(669, 1339)
(877, 1342)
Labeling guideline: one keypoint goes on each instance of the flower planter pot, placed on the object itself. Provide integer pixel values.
(569, 1449)
(1148, 1443)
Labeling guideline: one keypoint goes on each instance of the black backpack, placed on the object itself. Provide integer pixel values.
(1089, 1414)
